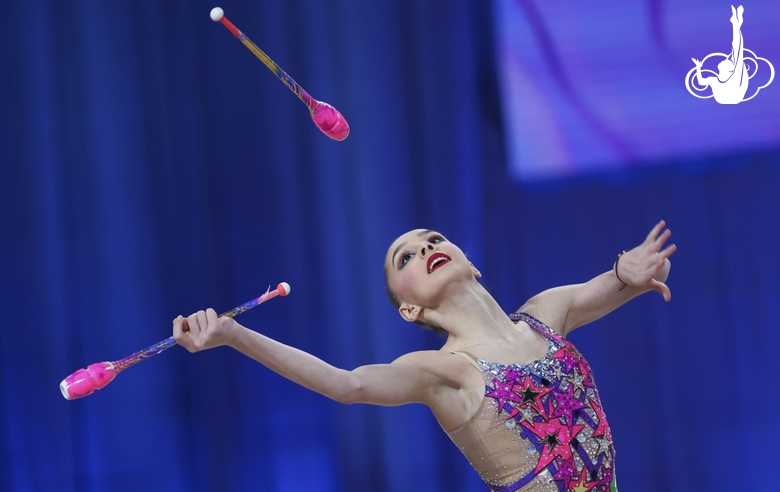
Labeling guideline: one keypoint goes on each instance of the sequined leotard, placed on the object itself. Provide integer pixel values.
(541, 426)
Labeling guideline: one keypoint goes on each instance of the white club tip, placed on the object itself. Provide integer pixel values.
(284, 289)
(216, 14)
(64, 390)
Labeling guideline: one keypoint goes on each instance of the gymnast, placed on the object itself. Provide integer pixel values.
(511, 392)
(731, 84)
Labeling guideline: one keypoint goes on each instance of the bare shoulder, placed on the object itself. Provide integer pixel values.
(458, 389)
(446, 370)
(545, 307)
(436, 362)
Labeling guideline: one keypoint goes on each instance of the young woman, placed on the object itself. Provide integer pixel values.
(516, 398)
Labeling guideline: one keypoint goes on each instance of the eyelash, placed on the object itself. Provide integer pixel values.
(435, 239)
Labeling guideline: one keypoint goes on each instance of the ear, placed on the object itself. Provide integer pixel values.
(409, 312)
(475, 271)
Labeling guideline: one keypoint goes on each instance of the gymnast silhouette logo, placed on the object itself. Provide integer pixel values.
(730, 84)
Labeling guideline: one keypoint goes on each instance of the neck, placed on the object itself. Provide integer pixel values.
(469, 314)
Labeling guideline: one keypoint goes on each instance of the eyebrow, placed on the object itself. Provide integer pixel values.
(392, 260)
(421, 233)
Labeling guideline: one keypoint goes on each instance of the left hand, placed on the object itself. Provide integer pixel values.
(643, 265)
(204, 330)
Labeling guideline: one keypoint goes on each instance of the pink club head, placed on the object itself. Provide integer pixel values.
(329, 120)
(84, 382)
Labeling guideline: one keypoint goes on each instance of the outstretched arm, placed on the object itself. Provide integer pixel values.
(701, 80)
(382, 384)
(639, 270)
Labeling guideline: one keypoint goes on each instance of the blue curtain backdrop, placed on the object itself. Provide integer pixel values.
(151, 166)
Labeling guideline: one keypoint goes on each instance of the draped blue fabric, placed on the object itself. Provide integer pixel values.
(151, 166)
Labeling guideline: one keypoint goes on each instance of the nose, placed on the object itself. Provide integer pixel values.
(425, 246)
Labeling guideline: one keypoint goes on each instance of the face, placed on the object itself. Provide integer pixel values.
(422, 264)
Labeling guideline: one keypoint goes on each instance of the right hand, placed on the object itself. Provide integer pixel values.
(696, 62)
(204, 330)
(641, 266)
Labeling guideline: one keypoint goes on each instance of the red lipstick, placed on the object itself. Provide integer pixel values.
(436, 260)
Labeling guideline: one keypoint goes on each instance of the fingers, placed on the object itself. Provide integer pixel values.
(181, 333)
(661, 239)
(196, 331)
(178, 329)
(655, 231)
(668, 251)
(193, 324)
(189, 332)
(211, 316)
(656, 239)
(203, 322)
(662, 289)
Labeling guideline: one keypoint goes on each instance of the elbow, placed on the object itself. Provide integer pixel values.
(346, 397)
(349, 391)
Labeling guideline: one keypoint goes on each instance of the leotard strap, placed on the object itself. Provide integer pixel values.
(470, 358)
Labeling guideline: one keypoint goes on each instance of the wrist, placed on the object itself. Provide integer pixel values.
(236, 336)
(615, 269)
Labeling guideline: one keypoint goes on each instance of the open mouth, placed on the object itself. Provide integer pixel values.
(436, 260)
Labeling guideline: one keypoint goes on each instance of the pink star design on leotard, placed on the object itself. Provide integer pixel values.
(511, 375)
(502, 393)
(555, 439)
(532, 394)
(583, 484)
(566, 358)
(567, 471)
(602, 429)
(607, 473)
(567, 404)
